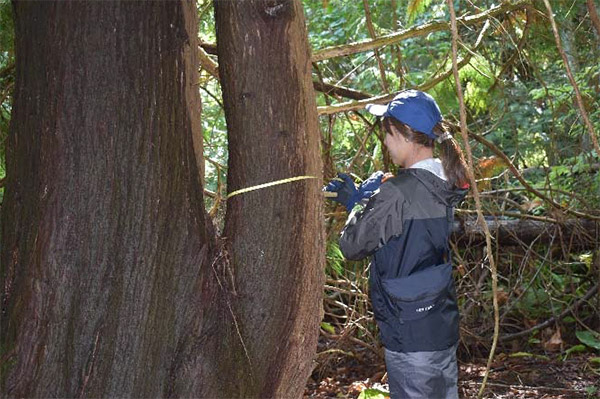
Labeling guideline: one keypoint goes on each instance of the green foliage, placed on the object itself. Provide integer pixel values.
(574, 349)
(7, 61)
(372, 393)
(415, 8)
(589, 338)
(335, 258)
(327, 327)
(591, 390)
(7, 32)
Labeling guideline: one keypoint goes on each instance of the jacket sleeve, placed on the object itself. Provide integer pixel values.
(371, 228)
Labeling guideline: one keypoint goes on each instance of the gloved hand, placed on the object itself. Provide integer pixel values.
(347, 194)
(369, 186)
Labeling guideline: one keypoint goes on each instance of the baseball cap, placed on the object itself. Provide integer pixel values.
(413, 108)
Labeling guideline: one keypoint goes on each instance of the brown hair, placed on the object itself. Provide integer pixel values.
(453, 160)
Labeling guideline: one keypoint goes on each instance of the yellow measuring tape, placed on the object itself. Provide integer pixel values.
(273, 183)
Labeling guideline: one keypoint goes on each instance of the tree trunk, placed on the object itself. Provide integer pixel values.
(276, 265)
(103, 229)
(113, 281)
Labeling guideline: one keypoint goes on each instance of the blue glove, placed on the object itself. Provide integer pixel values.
(369, 186)
(347, 193)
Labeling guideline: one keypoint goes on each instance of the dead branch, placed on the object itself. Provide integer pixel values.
(526, 231)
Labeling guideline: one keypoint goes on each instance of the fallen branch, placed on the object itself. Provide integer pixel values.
(523, 232)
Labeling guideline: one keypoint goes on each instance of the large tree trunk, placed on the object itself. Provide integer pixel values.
(277, 266)
(103, 227)
(112, 283)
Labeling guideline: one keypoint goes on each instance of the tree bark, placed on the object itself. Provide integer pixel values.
(114, 283)
(104, 233)
(277, 267)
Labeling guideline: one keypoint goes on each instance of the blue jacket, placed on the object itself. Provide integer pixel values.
(405, 228)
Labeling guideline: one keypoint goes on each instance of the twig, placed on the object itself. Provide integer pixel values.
(384, 82)
(593, 15)
(578, 97)
(480, 219)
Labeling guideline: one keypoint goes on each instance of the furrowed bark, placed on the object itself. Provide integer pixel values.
(275, 235)
(105, 242)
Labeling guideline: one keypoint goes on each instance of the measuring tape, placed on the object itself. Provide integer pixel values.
(273, 183)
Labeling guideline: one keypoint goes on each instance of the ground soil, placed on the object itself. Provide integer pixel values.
(345, 375)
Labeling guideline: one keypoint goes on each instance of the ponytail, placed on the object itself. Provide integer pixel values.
(451, 156)
(453, 160)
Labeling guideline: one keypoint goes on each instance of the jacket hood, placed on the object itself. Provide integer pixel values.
(444, 191)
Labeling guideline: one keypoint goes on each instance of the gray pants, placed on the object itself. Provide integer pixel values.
(423, 375)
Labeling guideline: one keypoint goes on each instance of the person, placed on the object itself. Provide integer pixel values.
(404, 223)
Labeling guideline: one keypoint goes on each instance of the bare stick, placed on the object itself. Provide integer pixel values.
(594, 15)
(373, 35)
(578, 97)
(480, 218)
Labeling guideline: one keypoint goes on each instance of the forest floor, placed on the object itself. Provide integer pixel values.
(530, 376)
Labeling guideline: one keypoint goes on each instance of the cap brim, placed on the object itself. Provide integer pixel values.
(377, 109)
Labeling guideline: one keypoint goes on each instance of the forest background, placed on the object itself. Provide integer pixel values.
(534, 146)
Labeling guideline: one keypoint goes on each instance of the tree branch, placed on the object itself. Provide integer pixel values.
(340, 91)
(360, 104)
(520, 178)
(594, 15)
(580, 103)
(207, 63)
(420, 30)
(384, 82)
(480, 219)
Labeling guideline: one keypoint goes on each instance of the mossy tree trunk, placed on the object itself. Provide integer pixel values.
(114, 283)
